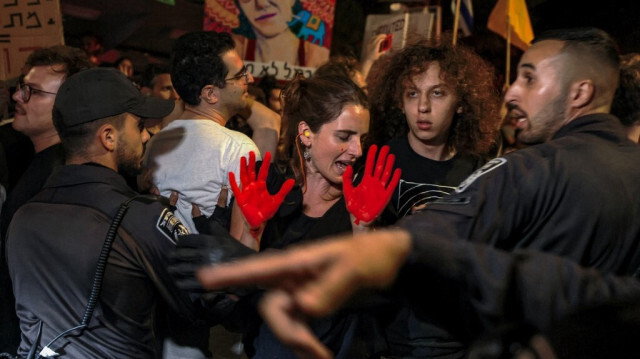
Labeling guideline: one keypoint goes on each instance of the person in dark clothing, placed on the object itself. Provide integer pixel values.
(573, 193)
(328, 118)
(495, 287)
(49, 67)
(439, 118)
(98, 114)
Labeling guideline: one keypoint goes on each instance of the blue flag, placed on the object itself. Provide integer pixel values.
(466, 15)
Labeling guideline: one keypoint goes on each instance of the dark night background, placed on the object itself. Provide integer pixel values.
(145, 29)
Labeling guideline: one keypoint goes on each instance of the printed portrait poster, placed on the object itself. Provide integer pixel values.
(25, 26)
(275, 37)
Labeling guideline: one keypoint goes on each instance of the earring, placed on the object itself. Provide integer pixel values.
(306, 154)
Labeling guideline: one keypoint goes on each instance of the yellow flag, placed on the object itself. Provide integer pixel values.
(514, 13)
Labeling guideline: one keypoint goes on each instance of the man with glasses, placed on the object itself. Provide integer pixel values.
(194, 154)
(34, 96)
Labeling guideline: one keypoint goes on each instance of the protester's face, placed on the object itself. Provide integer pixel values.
(33, 118)
(234, 95)
(429, 105)
(163, 88)
(268, 17)
(130, 146)
(126, 67)
(338, 143)
(537, 98)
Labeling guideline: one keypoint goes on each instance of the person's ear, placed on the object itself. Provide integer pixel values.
(581, 93)
(210, 94)
(108, 136)
(304, 131)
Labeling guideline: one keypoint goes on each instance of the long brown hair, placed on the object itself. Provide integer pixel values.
(316, 101)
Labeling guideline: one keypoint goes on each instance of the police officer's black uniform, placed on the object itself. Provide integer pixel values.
(54, 241)
(53, 246)
(577, 196)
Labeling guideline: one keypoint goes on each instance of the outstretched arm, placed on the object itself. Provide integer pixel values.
(265, 125)
(314, 280)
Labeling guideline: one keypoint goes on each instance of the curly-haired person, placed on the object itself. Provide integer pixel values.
(626, 102)
(437, 108)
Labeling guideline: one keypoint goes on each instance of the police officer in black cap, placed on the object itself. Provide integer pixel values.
(55, 241)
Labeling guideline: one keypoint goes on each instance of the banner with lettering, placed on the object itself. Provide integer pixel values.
(26, 25)
(278, 37)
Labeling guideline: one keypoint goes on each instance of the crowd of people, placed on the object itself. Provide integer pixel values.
(369, 211)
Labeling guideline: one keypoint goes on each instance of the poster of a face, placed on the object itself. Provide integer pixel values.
(294, 32)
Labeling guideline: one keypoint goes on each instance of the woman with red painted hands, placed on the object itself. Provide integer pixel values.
(328, 119)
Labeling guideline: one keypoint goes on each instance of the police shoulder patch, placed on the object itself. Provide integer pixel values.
(488, 167)
(170, 226)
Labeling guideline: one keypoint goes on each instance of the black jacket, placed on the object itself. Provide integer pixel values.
(576, 196)
(53, 245)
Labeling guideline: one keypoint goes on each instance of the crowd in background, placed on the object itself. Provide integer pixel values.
(499, 224)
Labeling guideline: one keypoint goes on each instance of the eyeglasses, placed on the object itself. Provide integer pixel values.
(243, 73)
(26, 91)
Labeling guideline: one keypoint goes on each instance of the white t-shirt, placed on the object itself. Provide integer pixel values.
(194, 158)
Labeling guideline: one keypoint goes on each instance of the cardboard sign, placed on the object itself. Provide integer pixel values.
(26, 25)
(425, 23)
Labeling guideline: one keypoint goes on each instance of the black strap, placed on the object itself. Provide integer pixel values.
(97, 278)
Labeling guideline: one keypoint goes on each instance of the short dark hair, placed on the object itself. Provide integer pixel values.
(76, 139)
(73, 59)
(626, 102)
(338, 66)
(197, 62)
(589, 41)
(150, 73)
(594, 48)
(316, 101)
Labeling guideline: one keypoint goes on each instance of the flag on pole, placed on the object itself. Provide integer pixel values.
(512, 14)
(466, 15)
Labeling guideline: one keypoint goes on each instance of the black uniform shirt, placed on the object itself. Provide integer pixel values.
(53, 246)
(577, 196)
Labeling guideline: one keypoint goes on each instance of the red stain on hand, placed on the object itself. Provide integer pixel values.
(368, 199)
(255, 201)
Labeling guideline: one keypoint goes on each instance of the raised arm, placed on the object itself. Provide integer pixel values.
(265, 125)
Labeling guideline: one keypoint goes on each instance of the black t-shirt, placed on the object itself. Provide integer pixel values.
(424, 180)
(349, 334)
(290, 225)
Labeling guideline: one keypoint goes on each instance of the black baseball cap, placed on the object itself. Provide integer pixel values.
(98, 93)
